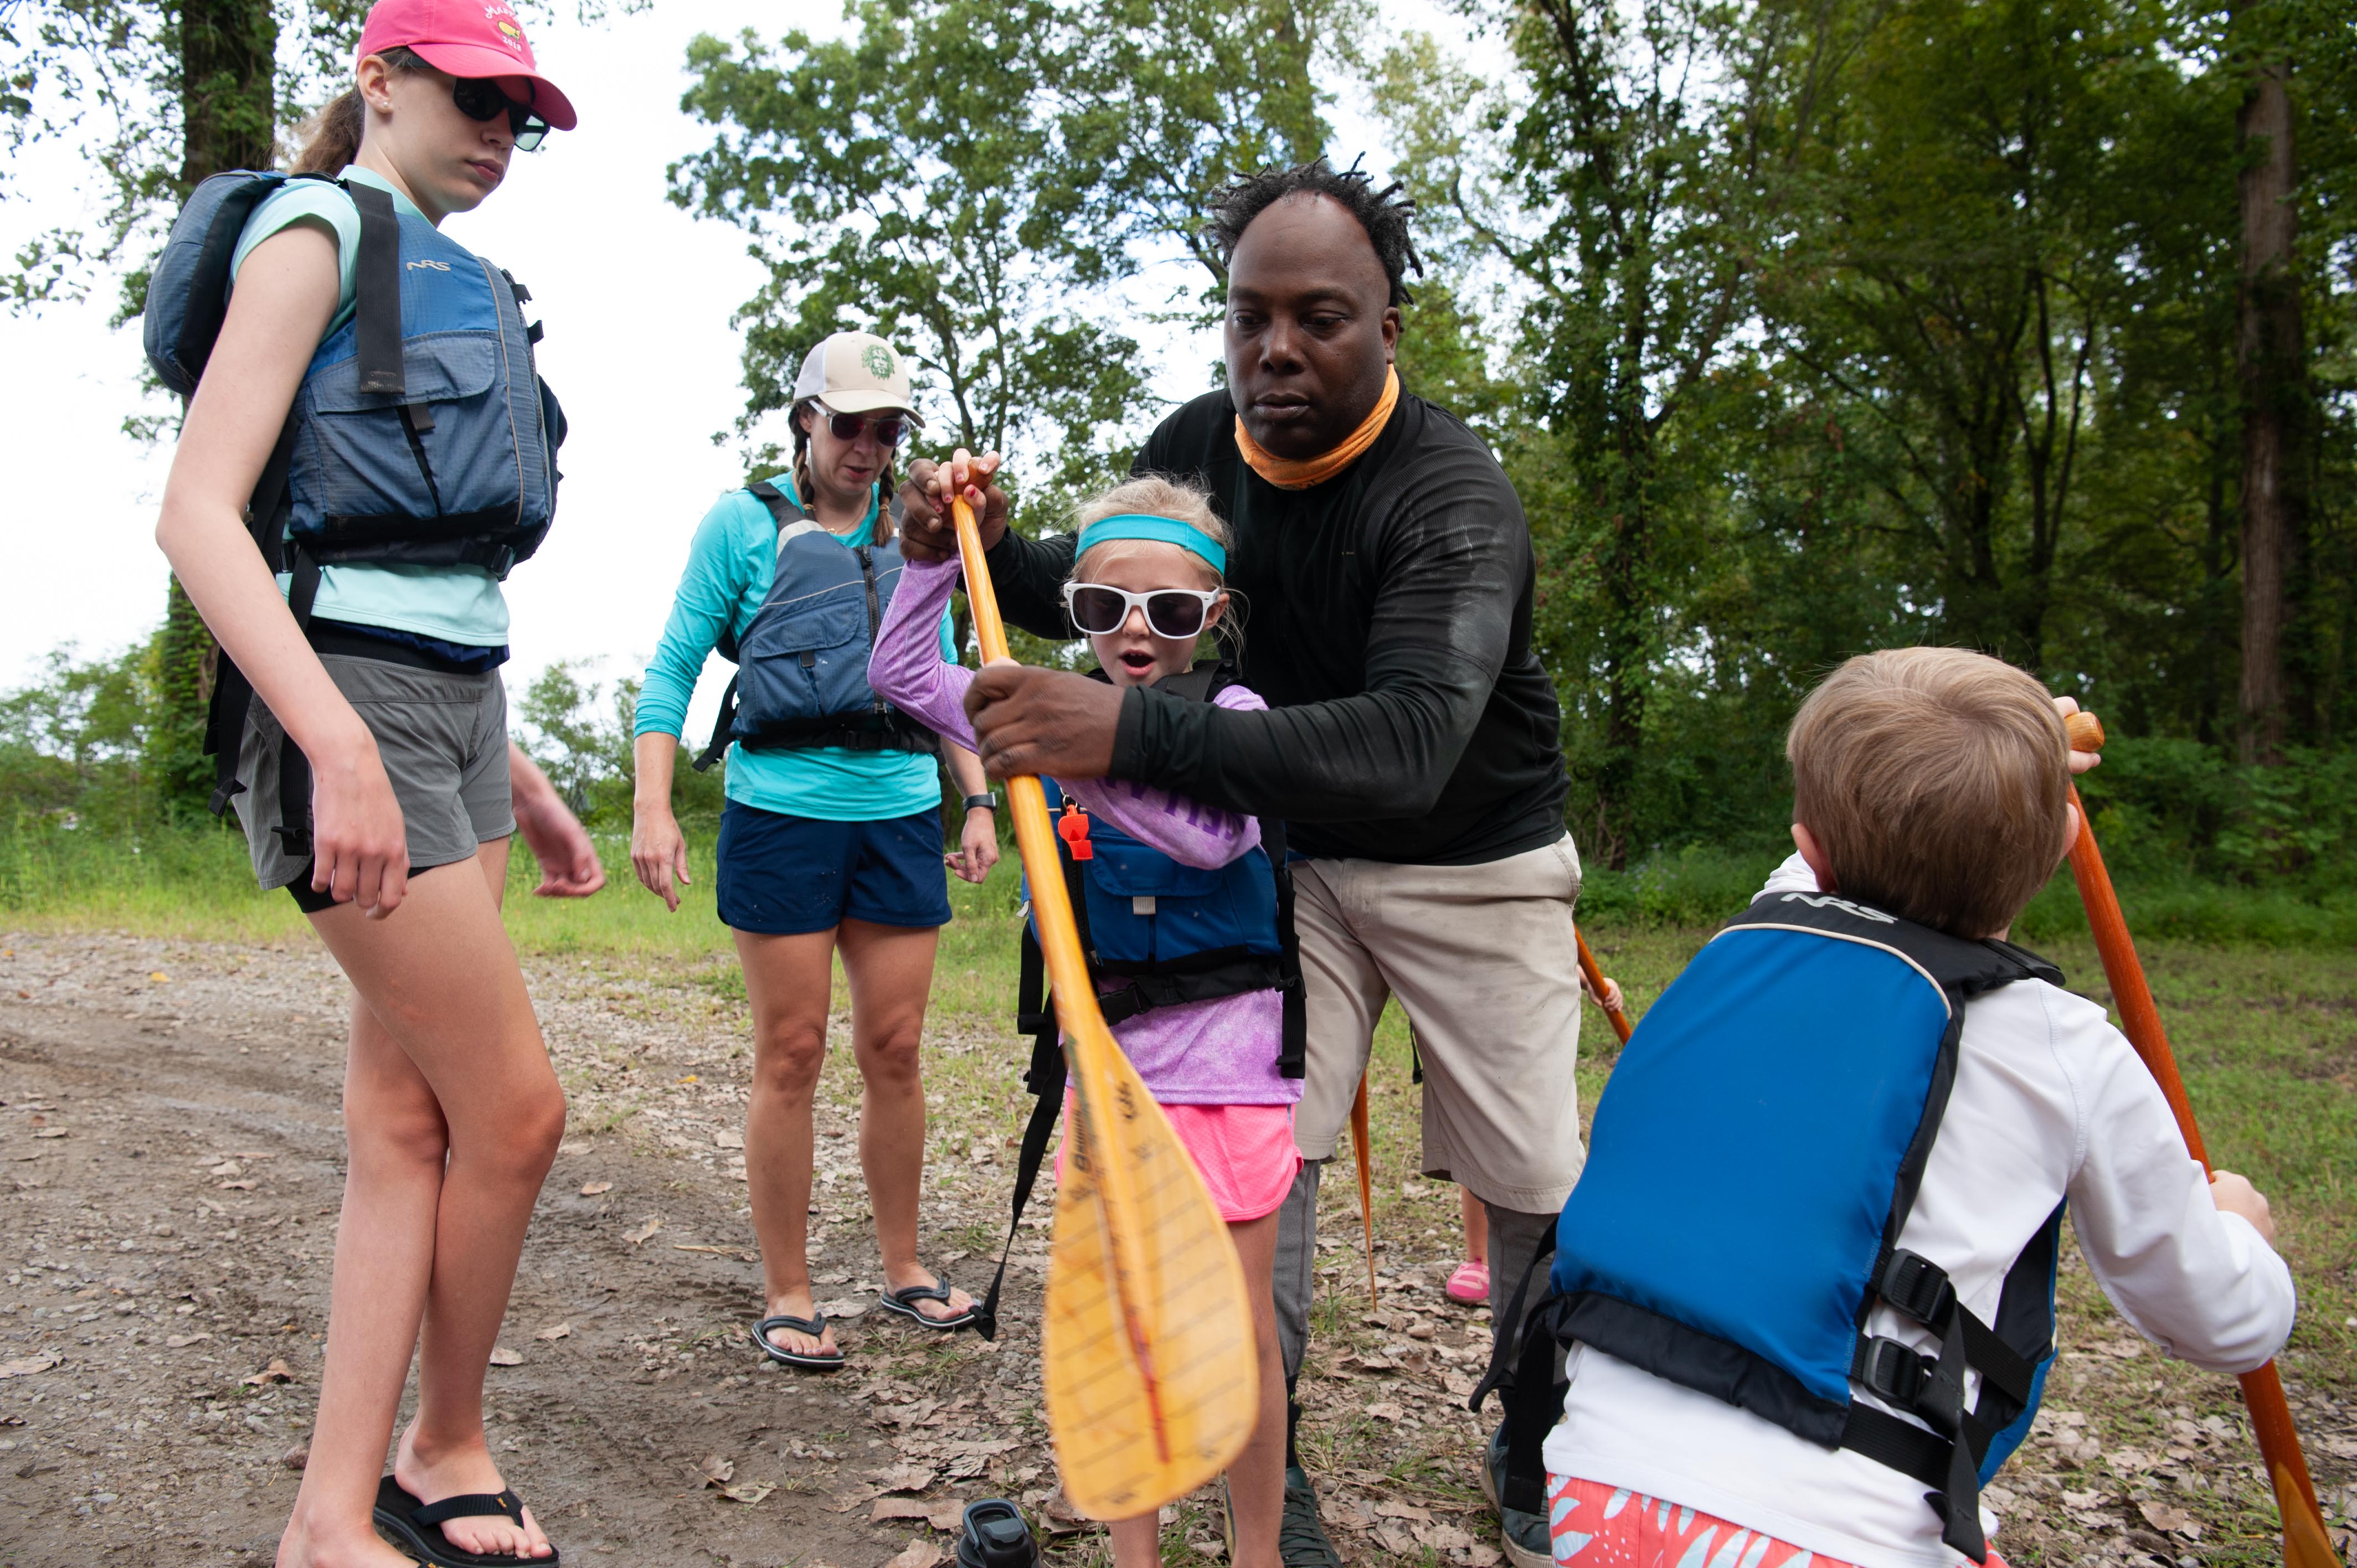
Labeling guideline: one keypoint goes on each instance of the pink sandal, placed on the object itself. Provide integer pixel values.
(1470, 1283)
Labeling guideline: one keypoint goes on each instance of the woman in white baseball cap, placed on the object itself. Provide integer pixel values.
(831, 841)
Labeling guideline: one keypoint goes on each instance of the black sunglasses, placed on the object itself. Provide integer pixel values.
(479, 98)
(888, 431)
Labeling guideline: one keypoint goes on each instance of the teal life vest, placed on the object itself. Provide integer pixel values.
(1754, 1158)
(801, 665)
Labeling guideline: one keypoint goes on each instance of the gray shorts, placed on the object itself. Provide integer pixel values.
(443, 741)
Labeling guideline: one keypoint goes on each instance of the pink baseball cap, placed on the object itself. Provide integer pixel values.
(469, 38)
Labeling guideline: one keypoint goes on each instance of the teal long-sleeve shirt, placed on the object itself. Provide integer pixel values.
(729, 564)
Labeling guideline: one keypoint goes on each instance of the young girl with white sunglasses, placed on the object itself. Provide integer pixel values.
(1147, 587)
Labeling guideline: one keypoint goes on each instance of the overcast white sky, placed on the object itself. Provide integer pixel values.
(636, 296)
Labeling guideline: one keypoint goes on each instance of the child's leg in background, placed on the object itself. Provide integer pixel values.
(1256, 1480)
(1469, 1283)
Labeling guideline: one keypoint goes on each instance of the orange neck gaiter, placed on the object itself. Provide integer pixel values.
(1289, 474)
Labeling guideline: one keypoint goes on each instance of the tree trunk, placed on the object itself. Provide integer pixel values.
(2269, 356)
(228, 105)
(228, 119)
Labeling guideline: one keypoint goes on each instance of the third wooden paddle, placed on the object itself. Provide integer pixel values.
(2306, 1542)
(1151, 1367)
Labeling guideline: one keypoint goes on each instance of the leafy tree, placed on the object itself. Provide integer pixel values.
(969, 179)
(1625, 182)
(578, 731)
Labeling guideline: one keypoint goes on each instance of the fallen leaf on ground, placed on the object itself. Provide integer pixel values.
(235, 1186)
(50, 1133)
(729, 1138)
(748, 1491)
(161, 978)
(182, 1341)
(644, 1230)
(506, 1356)
(890, 1509)
(1060, 1516)
(1390, 1508)
(904, 1477)
(2162, 1516)
(278, 1371)
(738, 1252)
(715, 1469)
(25, 1366)
(294, 1458)
(919, 1553)
(555, 1331)
(1484, 1556)
(592, 1189)
(845, 1307)
(1443, 1537)
(1384, 1410)
(2080, 1501)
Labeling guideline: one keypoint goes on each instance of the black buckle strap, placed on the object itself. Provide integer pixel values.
(1894, 1371)
(1915, 1285)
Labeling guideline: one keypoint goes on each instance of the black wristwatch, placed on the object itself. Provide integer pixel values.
(985, 801)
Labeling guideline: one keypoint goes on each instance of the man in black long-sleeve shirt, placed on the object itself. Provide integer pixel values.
(1411, 741)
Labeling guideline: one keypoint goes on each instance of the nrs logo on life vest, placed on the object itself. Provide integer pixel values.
(435, 265)
(1819, 900)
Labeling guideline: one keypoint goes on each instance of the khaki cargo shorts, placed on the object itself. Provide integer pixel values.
(1484, 960)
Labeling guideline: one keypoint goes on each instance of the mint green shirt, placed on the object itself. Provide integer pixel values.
(730, 563)
(454, 604)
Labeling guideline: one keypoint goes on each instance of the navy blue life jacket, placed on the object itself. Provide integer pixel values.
(1170, 933)
(801, 665)
(422, 433)
(1755, 1155)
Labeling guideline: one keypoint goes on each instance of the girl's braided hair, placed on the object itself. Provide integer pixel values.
(1384, 214)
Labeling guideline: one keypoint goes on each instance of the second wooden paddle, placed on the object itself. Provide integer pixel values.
(2307, 1544)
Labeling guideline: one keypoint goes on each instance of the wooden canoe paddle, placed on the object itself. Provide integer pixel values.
(1151, 1361)
(2307, 1544)
(1595, 989)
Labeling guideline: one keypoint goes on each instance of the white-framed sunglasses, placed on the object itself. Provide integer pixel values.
(1101, 611)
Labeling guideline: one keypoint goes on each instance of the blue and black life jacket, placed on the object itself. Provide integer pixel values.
(422, 433)
(1755, 1155)
(801, 665)
(1169, 933)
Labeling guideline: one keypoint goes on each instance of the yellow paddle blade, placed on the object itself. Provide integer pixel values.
(1153, 1381)
(1152, 1385)
(2306, 1545)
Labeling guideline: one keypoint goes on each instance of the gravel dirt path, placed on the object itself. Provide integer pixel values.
(171, 1164)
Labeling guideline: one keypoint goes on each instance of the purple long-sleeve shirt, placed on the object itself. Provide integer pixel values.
(1222, 1052)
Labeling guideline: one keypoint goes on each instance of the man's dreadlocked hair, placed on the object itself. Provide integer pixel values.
(1384, 214)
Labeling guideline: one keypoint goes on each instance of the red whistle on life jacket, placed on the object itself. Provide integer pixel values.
(1072, 827)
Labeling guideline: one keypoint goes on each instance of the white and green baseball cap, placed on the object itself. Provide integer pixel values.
(856, 372)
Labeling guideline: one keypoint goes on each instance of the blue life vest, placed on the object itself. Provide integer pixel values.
(802, 677)
(1754, 1158)
(421, 434)
(1169, 933)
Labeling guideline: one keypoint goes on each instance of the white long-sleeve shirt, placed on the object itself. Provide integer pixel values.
(2050, 1101)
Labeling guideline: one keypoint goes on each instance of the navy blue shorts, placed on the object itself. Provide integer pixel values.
(782, 876)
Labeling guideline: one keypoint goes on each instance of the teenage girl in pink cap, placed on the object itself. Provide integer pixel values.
(383, 671)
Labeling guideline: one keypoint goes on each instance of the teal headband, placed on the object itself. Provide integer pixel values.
(1163, 530)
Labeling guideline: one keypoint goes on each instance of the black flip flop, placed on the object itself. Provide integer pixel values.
(904, 1302)
(814, 1326)
(417, 1528)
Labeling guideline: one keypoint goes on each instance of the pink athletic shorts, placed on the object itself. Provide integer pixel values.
(1597, 1526)
(1245, 1152)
